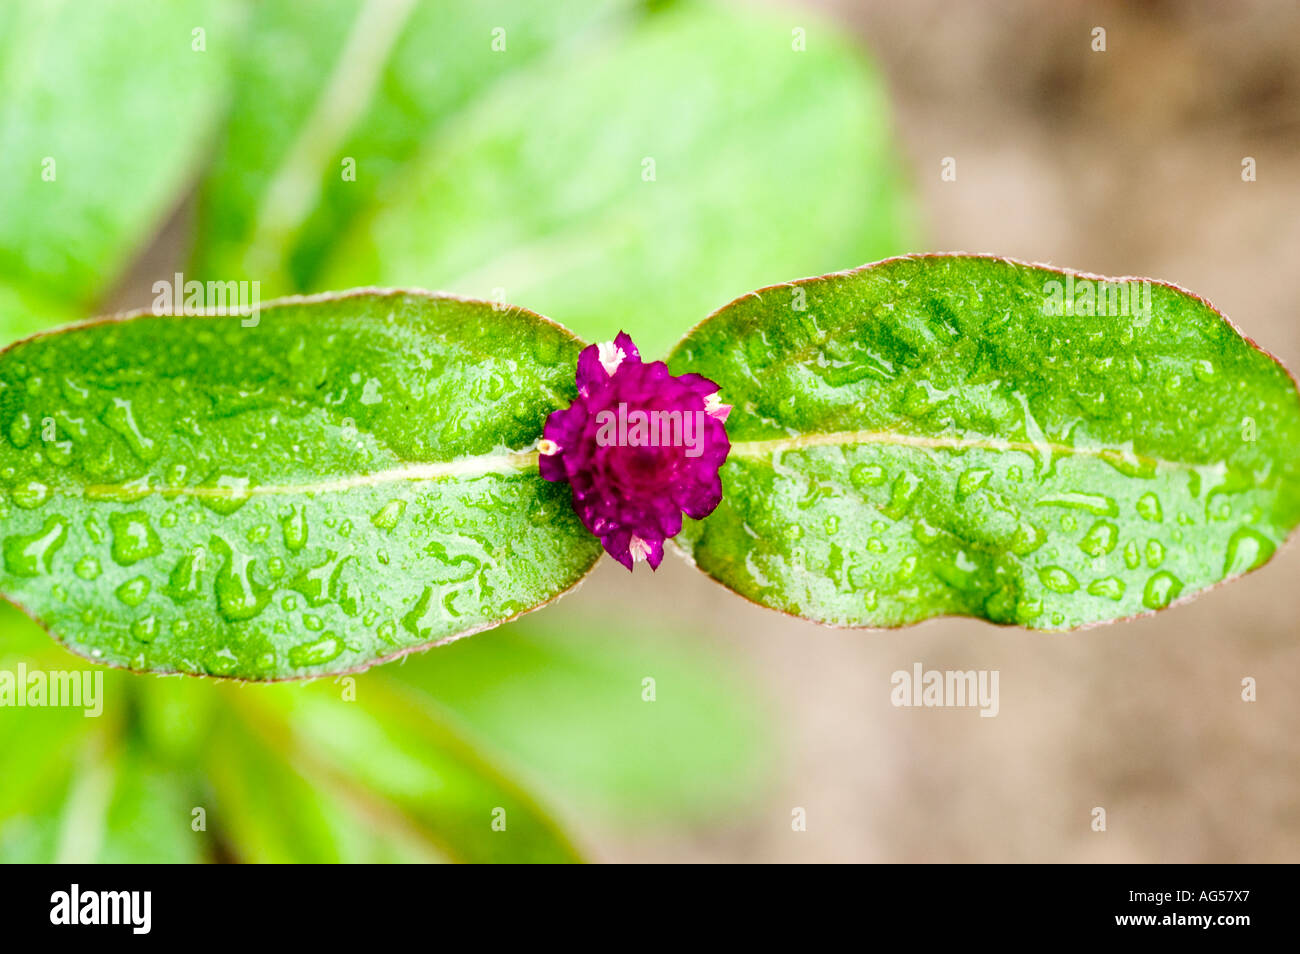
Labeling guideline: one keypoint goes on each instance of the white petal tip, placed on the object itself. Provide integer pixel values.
(639, 549)
(610, 355)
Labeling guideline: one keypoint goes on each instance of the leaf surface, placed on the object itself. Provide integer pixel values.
(928, 436)
(347, 480)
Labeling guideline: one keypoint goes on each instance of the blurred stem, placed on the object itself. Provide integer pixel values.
(294, 191)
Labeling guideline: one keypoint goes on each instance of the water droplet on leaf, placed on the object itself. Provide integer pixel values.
(1110, 587)
(1058, 579)
(133, 537)
(1148, 508)
(33, 554)
(1161, 590)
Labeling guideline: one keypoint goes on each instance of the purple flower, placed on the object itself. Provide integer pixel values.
(639, 447)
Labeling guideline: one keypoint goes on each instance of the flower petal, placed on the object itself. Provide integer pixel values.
(630, 353)
(592, 376)
(631, 489)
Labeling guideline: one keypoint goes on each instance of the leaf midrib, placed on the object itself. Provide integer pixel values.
(523, 461)
(766, 447)
(477, 466)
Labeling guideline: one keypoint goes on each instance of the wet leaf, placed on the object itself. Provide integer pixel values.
(960, 435)
(347, 480)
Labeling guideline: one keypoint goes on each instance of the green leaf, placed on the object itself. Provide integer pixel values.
(39, 748)
(255, 780)
(633, 186)
(314, 136)
(24, 313)
(924, 437)
(146, 815)
(80, 788)
(346, 481)
(109, 807)
(274, 770)
(301, 775)
(624, 717)
(104, 112)
(391, 760)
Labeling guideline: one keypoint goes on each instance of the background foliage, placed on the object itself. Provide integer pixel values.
(213, 138)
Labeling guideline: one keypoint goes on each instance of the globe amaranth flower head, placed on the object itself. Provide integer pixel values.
(639, 447)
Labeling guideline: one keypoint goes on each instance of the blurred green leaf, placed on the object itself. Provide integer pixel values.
(78, 788)
(565, 696)
(148, 816)
(269, 808)
(288, 773)
(932, 436)
(24, 313)
(650, 178)
(333, 97)
(105, 109)
(395, 761)
(347, 480)
(38, 747)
